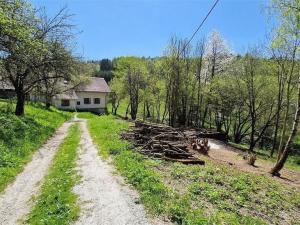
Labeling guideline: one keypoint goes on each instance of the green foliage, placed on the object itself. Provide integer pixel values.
(34, 50)
(101, 68)
(21, 136)
(15, 18)
(287, 15)
(130, 79)
(57, 203)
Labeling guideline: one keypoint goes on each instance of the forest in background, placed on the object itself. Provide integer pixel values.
(253, 98)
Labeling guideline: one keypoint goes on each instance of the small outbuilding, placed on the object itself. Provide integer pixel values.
(7, 90)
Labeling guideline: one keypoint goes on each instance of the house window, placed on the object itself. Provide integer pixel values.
(96, 100)
(87, 101)
(78, 102)
(65, 102)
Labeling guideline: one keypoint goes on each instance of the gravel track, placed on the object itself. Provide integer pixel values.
(16, 200)
(103, 197)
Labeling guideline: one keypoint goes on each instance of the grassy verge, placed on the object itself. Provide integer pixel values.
(21, 136)
(57, 203)
(210, 194)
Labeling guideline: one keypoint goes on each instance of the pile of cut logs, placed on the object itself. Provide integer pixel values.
(161, 141)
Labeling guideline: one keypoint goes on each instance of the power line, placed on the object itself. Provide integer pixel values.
(198, 28)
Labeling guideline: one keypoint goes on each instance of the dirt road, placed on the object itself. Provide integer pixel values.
(104, 199)
(17, 199)
(230, 156)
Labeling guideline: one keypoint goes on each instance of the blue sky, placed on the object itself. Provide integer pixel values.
(111, 28)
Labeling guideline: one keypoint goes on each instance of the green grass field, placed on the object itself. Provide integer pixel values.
(21, 136)
(210, 194)
(57, 203)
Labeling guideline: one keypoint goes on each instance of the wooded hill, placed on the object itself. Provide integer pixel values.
(252, 98)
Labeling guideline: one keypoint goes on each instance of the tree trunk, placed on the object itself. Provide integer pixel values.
(275, 134)
(283, 133)
(218, 121)
(48, 102)
(133, 113)
(148, 110)
(252, 142)
(204, 116)
(237, 138)
(144, 112)
(158, 111)
(284, 155)
(279, 105)
(288, 96)
(115, 108)
(127, 110)
(198, 116)
(133, 107)
(20, 103)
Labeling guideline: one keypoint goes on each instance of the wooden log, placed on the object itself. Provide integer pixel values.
(186, 161)
(161, 141)
(171, 152)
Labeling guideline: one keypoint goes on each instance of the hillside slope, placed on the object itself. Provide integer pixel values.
(192, 194)
(21, 136)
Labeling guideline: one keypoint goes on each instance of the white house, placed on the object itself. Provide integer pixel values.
(92, 96)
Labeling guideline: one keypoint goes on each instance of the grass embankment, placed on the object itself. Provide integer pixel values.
(21, 136)
(57, 203)
(210, 194)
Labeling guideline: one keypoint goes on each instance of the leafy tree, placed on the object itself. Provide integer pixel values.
(105, 65)
(218, 55)
(32, 45)
(131, 71)
(287, 39)
(117, 95)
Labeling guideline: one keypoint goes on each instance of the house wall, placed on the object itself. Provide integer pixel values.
(91, 107)
(71, 107)
(37, 98)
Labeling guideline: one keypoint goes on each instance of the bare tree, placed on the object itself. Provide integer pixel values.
(259, 102)
(289, 145)
(286, 41)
